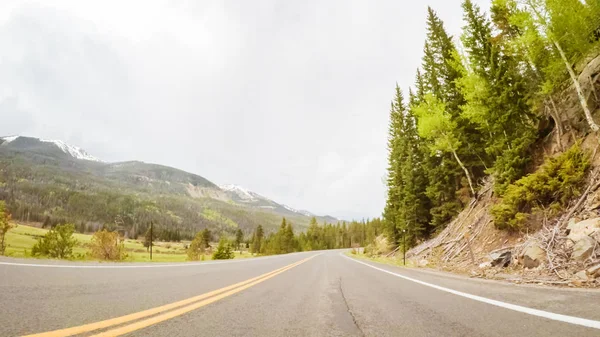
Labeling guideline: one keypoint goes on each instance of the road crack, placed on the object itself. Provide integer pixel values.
(362, 333)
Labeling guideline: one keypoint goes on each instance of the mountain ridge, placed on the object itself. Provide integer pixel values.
(140, 178)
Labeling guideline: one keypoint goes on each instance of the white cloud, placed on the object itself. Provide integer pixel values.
(288, 98)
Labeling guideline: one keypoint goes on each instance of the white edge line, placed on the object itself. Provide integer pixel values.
(171, 265)
(535, 312)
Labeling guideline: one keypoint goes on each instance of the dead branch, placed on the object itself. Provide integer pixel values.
(392, 252)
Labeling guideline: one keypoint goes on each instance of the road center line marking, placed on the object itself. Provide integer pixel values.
(535, 312)
(153, 311)
(178, 312)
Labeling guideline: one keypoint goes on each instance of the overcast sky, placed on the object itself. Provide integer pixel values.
(287, 98)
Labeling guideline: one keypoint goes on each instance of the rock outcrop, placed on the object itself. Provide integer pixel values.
(533, 256)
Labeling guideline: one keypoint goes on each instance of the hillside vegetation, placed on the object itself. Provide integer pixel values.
(499, 130)
(486, 108)
(42, 184)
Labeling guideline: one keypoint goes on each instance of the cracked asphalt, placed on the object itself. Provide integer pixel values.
(329, 295)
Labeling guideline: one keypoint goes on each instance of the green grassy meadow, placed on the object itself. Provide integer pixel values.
(20, 241)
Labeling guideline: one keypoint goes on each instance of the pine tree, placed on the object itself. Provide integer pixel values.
(257, 239)
(223, 251)
(290, 239)
(5, 226)
(206, 237)
(416, 204)
(396, 147)
(239, 237)
(197, 247)
(407, 203)
(445, 175)
(496, 97)
(148, 239)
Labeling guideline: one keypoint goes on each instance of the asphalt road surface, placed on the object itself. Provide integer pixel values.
(302, 294)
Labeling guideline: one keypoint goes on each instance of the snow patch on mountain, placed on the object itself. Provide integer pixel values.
(241, 192)
(9, 139)
(290, 208)
(306, 213)
(248, 197)
(71, 150)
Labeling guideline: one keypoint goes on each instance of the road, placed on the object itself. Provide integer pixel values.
(302, 294)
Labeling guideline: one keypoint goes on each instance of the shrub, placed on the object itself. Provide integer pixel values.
(107, 245)
(57, 243)
(511, 163)
(5, 226)
(224, 251)
(197, 247)
(557, 181)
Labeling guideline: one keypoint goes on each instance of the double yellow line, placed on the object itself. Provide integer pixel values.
(162, 313)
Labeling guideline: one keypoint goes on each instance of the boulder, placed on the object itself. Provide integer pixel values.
(501, 258)
(485, 265)
(533, 256)
(578, 230)
(582, 276)
(583, 248)
(593, 271)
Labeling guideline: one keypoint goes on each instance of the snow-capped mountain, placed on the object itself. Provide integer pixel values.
(242, 193)
(244, 196)
(307, 213)
(150, 177)
(74, 151)
(70, 150)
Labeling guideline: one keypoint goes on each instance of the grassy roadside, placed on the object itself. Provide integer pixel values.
(21, 239)
(392, 261)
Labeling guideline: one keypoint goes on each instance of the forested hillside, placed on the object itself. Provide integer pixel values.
(49, 182)
(486, 104)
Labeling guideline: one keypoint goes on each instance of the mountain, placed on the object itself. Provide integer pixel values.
(244, 196)
(42, 146)
(51, 181)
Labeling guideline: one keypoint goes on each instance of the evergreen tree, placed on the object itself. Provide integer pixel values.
(197, 247)
(223, 251)
(5, 226)
(148, 239)
(406, 206)
(239, 237)
(290, 239)
(496, 97)
(257, 239)
(444, 170)
(206, 237)
(396, 149)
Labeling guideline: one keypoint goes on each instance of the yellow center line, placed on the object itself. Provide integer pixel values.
(172, 314)
(153, 311)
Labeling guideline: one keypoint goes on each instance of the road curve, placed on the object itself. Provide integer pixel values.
(302, 294)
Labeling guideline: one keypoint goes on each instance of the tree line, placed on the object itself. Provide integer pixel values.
(286, 240)
(477, 104)
(316, 237)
